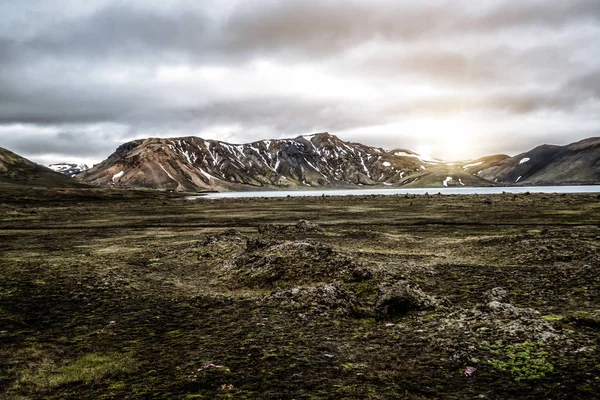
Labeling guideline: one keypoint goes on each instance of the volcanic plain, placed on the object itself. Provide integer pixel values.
(109, 294)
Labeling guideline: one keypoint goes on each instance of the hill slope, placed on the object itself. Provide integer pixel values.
(18, 170)
(575, 163)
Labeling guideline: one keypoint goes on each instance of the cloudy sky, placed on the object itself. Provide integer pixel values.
(455, 79)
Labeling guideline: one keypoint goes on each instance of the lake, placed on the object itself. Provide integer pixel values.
(363, 192)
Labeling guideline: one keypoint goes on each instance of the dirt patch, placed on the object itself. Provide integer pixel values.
(301, 227)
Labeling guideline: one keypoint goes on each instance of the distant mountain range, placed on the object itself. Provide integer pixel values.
(318, 160)
(68, 168)
(324, 160)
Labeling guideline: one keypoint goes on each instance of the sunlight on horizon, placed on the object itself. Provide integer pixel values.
(447, 137)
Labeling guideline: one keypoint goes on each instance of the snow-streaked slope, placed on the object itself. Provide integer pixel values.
(323, 160)
(192, 163)
(69, 169)
(576, 163)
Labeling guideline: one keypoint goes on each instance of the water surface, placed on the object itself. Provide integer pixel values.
(362, 192)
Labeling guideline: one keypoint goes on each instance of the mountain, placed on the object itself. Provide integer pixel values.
(322, 159)
(192, 163)
(17, 170)
(318, 160)
(69, 168)
(576, 163)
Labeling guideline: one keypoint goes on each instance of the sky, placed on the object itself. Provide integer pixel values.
(452, 79)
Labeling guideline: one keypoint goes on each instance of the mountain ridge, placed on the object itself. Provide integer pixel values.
(318, 160)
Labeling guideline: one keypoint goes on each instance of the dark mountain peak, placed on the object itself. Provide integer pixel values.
(125, 147)
(544, 147)
(576, 163)
(585, 143)
(320, 136)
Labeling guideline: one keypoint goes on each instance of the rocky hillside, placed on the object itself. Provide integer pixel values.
(192, 163)
(15, 169)
(575, 163)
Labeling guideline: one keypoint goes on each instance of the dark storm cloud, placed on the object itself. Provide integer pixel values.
(297, 28)
(57, 99)
(328, 26)
(66, 144)
(123, 32)
(100, 63)
(483, 67)
(284, 114)
(587, 85)
(536, 13)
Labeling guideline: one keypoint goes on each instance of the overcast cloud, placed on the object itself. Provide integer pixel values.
(457, 79)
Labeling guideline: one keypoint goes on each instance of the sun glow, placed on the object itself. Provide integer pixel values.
(446, 138)
(449, 138)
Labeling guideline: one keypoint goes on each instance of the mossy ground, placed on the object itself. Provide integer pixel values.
(133, 277)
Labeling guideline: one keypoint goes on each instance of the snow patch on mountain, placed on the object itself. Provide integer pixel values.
(118, 175)
(166, 172)
(69, 169)
(472, 165)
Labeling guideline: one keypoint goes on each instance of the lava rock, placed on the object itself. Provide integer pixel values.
(497, 294)
(361, 274)
(322, 300)
(401, 297)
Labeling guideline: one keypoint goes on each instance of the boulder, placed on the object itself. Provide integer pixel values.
(401, 297)
(497, 294)
(325, 299)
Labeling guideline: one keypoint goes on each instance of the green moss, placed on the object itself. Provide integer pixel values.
(523, 361)
(117, 386)
(350, 367)
(89, 368)
(331, 234)
(552, 317)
